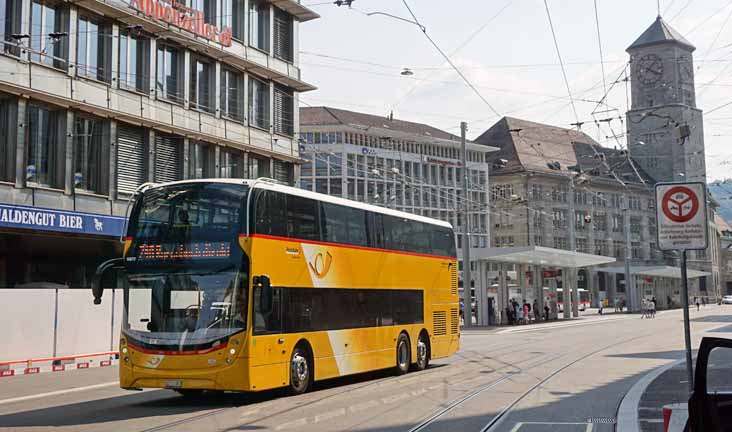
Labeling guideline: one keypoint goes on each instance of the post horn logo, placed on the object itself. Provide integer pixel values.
(320, 265)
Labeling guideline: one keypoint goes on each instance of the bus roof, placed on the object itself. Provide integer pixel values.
(269, 184)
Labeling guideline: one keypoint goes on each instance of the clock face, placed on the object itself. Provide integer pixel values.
(650, 69)
(685, 71)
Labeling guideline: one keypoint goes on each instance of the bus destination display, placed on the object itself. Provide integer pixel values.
(171, 251)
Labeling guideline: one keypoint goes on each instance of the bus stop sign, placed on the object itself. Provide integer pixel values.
(681, 216)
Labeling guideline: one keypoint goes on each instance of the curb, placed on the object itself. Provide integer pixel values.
(628, 411)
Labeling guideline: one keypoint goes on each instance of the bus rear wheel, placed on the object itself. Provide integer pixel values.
(403, 355)
(423, 352)
(300, 371)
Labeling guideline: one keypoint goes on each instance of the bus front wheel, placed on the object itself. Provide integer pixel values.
(300, 371)
(403, 354)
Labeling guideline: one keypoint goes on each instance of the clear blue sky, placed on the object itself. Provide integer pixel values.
(356, 61)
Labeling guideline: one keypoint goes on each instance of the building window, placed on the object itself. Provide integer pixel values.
(169, 83)
(232, 94)
(636, 251)
(282, 35)
(199, 160)
(561, 243)
(232, 164)
(258, 103)
(94, 49)
(45, 150)
(8, 134)
(91, 138)
(599, 222)
(284, 111)
(134, 62)
(257, 167)
(10, 21)
(259, 24)
(618, 223)
(49, 35)
(202, 82)
(232, 14)
(619, 247)
(583, 245)
(538, 240)
(635, 225)
(207, 7)
(559, 218)
(601, 247)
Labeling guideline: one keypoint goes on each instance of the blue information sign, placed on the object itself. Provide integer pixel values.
(61, 221)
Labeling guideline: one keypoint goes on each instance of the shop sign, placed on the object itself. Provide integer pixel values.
(183, 17)
(439, 161)
(54, 220)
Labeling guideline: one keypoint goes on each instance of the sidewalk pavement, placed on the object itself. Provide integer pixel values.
(669, 387)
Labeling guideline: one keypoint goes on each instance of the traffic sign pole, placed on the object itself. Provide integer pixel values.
(687, 327)
(682, 219)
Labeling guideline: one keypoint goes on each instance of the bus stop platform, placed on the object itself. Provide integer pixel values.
(530, 262)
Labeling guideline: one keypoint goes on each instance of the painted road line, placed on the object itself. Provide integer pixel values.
(330, 415)
(364, 406)
(59, 392)
(293, 424)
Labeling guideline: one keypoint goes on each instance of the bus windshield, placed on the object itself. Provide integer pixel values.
(186, 276)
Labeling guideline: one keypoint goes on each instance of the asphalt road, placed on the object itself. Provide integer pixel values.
(567, 377)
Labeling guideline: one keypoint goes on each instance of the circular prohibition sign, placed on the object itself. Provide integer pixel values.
(680, 204)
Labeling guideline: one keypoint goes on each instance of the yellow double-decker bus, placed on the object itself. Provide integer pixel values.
(247, 285)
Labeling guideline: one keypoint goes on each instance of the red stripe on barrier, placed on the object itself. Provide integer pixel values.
(31, 370)
(105, 363)
(58, 368)
(82, 365)
(7, 373)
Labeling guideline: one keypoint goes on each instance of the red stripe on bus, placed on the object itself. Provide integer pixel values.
(367, 248)
(162, 352)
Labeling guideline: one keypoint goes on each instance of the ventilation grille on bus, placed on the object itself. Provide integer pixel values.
(454, 321)
(439, 322)
(453, 280)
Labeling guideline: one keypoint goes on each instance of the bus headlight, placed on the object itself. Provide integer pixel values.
(124, 350)
(232, 351)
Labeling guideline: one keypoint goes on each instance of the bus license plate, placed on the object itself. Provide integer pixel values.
(173, 384)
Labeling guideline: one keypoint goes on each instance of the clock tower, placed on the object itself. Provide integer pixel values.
(665, 130)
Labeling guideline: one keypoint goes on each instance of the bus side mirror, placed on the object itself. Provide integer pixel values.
(265, 295)
(97, 288)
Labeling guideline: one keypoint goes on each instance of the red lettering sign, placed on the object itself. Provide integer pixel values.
(7, 373)
(105, 363)
(182, 17)
(58, 368)
(31, 370)
(82, 365)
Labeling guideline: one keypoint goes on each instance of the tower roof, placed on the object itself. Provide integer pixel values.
(660, 32)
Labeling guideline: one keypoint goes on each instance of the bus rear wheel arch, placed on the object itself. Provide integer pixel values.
(302, 371)
(403, 353)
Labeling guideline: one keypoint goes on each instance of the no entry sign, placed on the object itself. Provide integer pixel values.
(681, 216)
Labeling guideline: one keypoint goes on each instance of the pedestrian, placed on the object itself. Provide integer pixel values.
(698, 303)
(527, 311)
(599, 309)
(655, 306)
(537, 314)
(622, 304)
(669, 302)
(616, 302)
(509, 314)
(519, 313)
(546, 312)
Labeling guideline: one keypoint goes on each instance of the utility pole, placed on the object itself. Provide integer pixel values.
(628, 254)
(570, 274)
(467, 294)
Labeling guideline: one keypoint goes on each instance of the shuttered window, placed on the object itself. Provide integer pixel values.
(282, 35)
(283, 111)
(282, 171)
(168, 157)
(131, 158)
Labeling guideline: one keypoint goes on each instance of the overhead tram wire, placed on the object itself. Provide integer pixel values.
(564, 72)
(460, 47)
(599, 45)
(680, 11)
(459, 72)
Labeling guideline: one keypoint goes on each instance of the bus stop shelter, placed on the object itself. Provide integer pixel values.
(537, 258)
(669, 278)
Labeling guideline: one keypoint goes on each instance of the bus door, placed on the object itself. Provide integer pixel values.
(269, 348)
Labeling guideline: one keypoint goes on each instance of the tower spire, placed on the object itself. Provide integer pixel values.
(658, 7)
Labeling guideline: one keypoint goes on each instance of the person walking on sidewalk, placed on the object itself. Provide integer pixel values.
(698, 303)
(546, 310)
(527, 311)
(537, 313)
(653, 310)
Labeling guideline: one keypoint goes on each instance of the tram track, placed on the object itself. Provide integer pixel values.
(457, 365)
(498, 419)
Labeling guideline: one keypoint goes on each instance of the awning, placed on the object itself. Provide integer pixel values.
(658, 271)
(538, 255)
